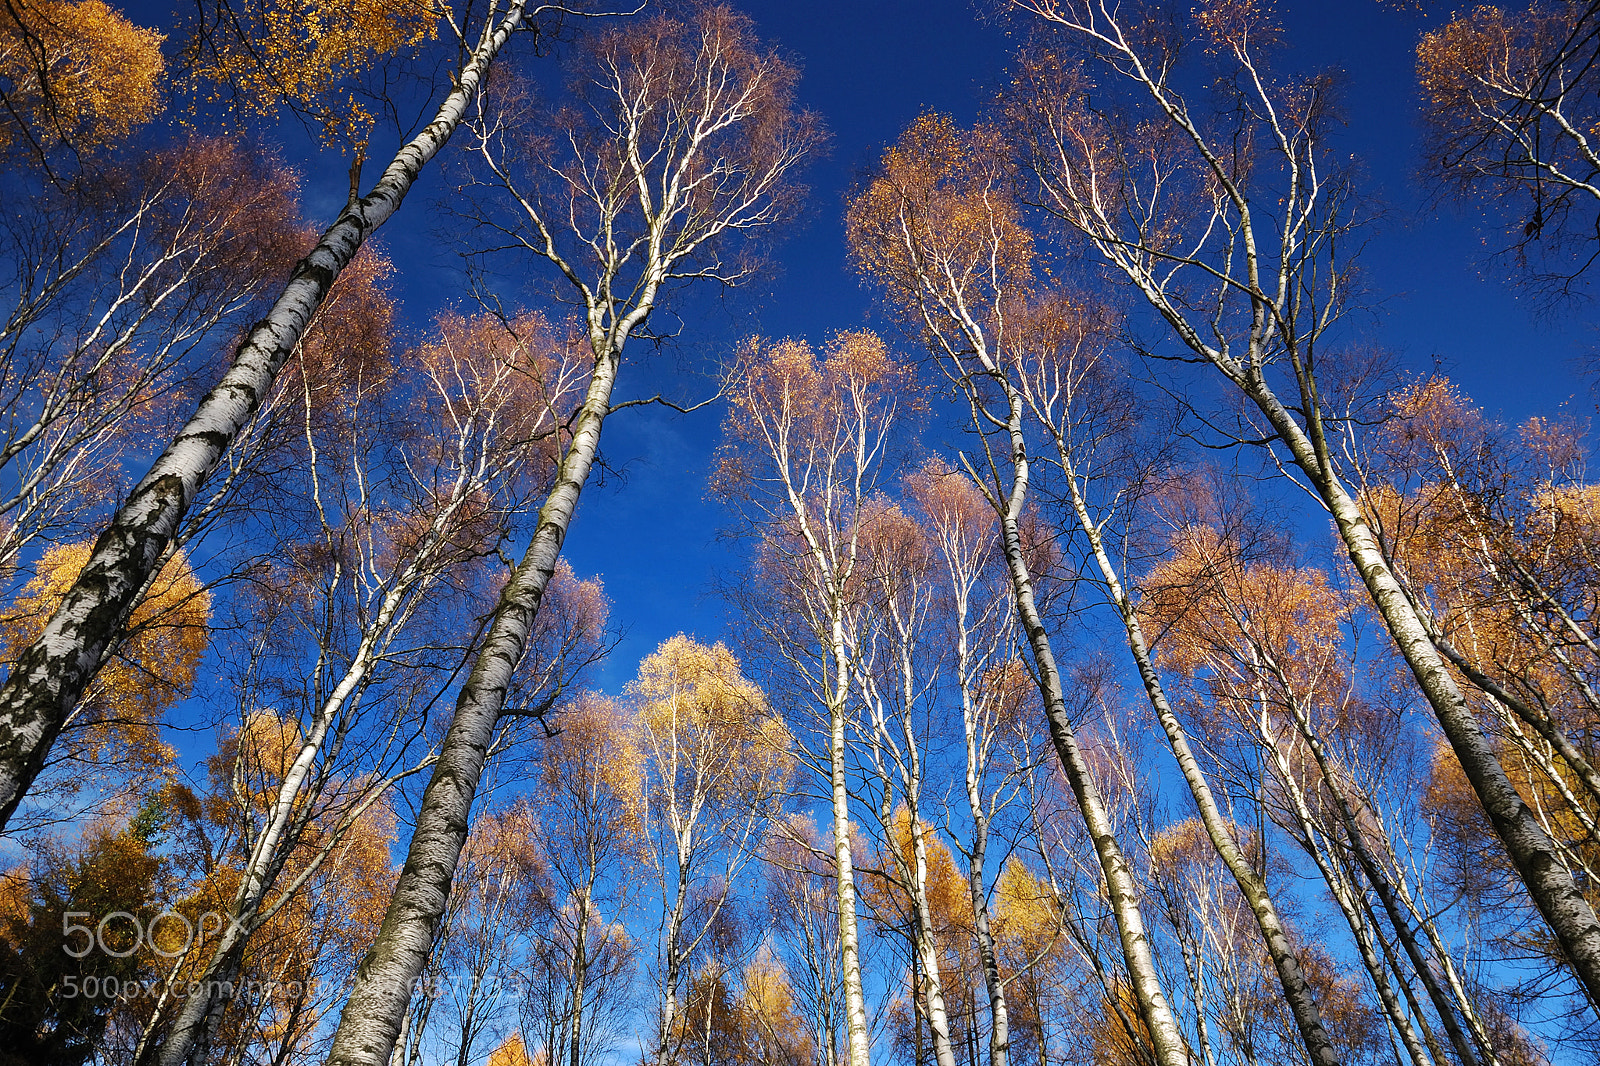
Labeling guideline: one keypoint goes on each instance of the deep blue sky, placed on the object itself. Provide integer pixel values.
(869, 70)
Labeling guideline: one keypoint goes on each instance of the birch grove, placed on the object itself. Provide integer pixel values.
(1279, 287)
(1110, 653)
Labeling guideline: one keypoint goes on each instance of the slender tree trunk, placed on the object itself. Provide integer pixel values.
(201, 1010)
(855, 1003)
(1273, 326)
(382, 987)
(1038, 1010)
(580, 983)
(48, 678)
(1361, 930)
(1392, 962)
(673, 968)
(999, 1027)
(201, 1013)
(1534, 855)
(1194, 969)
(918, 1010)
(924, 949)
(1121, 890)
(398, 1057)
(1291, 978)
(999, 1020)
(1448, 1012)
(938, 1016)
(1374, 875)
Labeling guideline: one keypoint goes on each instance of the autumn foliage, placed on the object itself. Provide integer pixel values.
(1044, 730)
(76, 72)
(155, 666)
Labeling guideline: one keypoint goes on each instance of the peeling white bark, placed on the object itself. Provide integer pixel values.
(1297, 990)
(1121, 889)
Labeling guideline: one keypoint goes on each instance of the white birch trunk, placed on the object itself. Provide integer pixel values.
(1122, 892)
(1271, 265)
(580, 977)
(1376, 876)
(663, 130)
(672, 970)
(288, 814)
(938, 1015)
(1534, 855)
(1362, 932)
(857, 1035)
(999, 1017)
(988, 954)
(382, 990)
(1291, 978)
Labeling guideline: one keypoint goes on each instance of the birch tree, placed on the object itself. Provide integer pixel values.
(806, 442)
(289, 976)
(350, 624)
(590, 832)
(1254, 297)
(1490, 529)
(895, 672)
(682, 141)
(777, 1034)
(801, 905)
(941, 233)
(979, 615)
(1265, 640)
(716, 766)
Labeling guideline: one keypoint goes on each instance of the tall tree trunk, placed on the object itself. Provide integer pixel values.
(988, 955)
(1275, 270)
(1291, 978)
(1365, 936)
(48, 678)
(673, 970)
(285, 821)
(1533, 854)
(855, 1002)
(1393, 963)
(580, 982)
(1122, 892)
(999, 1019)
(1375, 876)
(938, 1015)
(383, 982)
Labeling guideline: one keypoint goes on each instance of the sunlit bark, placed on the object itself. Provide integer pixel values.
(806, 445)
